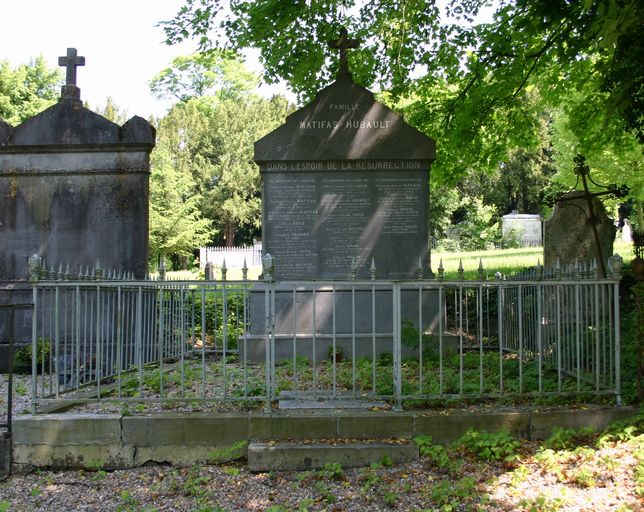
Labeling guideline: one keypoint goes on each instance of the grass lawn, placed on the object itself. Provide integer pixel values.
(506, 261)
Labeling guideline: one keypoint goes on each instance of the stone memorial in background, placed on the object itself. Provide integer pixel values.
(568, 233)
(526, 227)
(345, 184)
(74, 190)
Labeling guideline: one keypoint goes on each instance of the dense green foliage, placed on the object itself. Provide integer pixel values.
(209, 187)
(518, 93)
(27, 89)
(193, 76)
(205, 188)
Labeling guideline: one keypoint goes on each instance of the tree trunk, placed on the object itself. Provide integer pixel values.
(229, 234)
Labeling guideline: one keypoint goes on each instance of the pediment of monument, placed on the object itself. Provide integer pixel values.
(345, 122)
(69, 123)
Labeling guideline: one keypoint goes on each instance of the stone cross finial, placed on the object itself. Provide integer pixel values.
(71, 61)
(343, 43)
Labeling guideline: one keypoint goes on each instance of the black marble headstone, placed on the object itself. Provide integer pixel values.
(345, 180)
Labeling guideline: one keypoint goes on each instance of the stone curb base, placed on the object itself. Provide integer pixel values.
(304, 457)
(115, 441)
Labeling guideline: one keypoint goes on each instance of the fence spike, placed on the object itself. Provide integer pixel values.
(98, 270)
(441, 270)
(577, 269)
(244, 271)
(481, 270)
(162, 270)
(419, 270)
(268, 266)
(461, 270)
(34, 263)
(209, 272)
(354, 270)
(615, 263)
(372, 269)
(224, 270)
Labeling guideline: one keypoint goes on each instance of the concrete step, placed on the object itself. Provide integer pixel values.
(288, 456)
(290, 400)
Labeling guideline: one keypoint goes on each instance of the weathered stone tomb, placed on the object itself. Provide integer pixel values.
(74, 190)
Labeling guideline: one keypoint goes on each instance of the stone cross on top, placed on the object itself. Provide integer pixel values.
(71, 61)
(343, 44)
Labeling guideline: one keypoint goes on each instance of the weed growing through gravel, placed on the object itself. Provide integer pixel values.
(490, 446)
(542, 504)
(332, 471)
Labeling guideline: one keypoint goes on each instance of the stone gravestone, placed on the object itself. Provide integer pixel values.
(73, 189)
(526, 226)
(345, 180)
(568, 233)
(345, 183)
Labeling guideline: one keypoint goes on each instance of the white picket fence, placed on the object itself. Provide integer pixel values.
(234, 256)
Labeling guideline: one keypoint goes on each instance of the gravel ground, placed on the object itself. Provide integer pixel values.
(527, 485)
(21, 395)
(588, 479)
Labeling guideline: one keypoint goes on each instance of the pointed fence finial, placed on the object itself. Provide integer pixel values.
(162, 270)
(594, 269)
(461, 270)
(372, 269)
(558, 269)
(481, 270)
(615, 263)
(539, 270)
(419, 270)
(224, 270)
(244, 270)
(35, 263)
(354, 270)
(268, 267)
(60, 275)
(441, 270)
(209, 273)
(98, 271)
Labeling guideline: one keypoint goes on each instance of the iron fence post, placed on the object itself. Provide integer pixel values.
(34, 351)
(397, 370)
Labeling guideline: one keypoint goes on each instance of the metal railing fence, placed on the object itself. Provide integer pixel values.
(261, 341)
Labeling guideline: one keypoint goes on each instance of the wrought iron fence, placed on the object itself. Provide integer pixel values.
(126, 340)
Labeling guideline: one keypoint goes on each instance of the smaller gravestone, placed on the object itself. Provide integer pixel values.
(526, 228)
(568, 233)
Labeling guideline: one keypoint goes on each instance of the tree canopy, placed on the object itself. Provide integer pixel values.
(192, 76)
(480, 88)
(27, 89)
